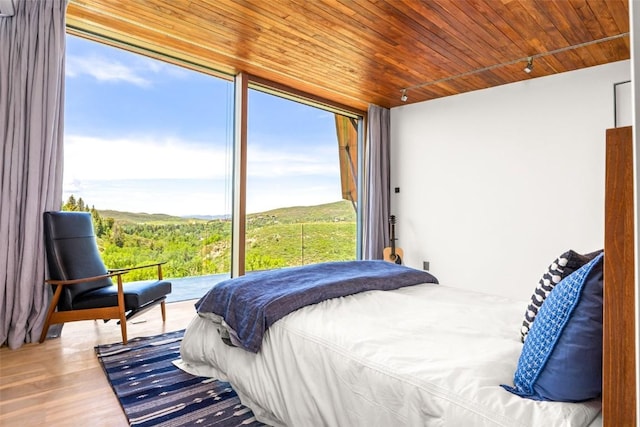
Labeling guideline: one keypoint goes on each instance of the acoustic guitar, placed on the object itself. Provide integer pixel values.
(392, 254)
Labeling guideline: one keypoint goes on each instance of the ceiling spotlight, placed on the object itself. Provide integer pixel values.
(529, 66)
(403, 97)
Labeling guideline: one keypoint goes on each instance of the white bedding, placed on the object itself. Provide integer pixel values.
(427, 355)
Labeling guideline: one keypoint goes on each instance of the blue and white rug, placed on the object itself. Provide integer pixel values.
(153, 392)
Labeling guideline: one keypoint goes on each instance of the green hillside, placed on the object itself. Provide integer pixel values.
(337, 211)
(141, 217)
(329, 212)
(195, 246)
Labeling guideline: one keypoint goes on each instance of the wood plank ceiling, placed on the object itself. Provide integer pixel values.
(357, 52)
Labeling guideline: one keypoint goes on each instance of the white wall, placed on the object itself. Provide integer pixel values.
(494, 184)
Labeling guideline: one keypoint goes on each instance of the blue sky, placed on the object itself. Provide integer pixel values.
(146, 136)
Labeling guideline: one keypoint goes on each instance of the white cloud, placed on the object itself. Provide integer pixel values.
(312, 161)
(156, 170)
(93, 158)
(171, 158)
(104, 69)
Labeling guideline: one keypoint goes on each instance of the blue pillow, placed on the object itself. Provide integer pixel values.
(561, 359)
(560, 268)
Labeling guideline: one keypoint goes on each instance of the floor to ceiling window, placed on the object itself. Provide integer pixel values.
(148, 150)
(297, 212)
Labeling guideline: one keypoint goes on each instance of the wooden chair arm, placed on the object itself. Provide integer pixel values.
(84, 279)
(157, 264)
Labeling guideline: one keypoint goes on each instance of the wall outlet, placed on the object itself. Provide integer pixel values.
(425, 265)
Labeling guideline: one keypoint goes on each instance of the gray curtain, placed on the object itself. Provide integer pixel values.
(32, 47)
(377, 203)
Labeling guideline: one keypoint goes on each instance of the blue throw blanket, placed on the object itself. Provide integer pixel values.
(250, 304)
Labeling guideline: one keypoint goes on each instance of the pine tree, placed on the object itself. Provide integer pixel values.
(71, 204)
(98, 223)
(81, 206)
(101, 226)
(118, 237)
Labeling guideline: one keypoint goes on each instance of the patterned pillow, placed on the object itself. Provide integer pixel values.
(561, 359)
(560, 268)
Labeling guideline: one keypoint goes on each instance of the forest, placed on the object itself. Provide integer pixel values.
(194, 247)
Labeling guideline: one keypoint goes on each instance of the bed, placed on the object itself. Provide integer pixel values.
(420, 354)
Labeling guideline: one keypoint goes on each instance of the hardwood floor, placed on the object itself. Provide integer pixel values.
(61, 383)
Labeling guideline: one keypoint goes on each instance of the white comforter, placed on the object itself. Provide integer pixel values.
(427, 355)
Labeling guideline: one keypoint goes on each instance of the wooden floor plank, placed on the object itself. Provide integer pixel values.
(61, 383)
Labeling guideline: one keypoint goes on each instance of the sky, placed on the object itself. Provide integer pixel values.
(142, 135)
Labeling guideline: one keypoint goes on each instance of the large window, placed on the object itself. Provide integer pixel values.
(148, 145)
(296, 211)
(148, 149)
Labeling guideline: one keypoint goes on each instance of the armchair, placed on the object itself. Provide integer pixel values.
(83, 287)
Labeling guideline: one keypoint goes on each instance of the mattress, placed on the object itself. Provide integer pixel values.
(428, 354)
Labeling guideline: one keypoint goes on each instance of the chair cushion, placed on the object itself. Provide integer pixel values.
(136, 294)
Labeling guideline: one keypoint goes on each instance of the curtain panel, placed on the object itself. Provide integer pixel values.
(377, 207)
(32, 49)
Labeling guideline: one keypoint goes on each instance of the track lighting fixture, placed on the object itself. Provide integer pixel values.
(527, 69)
(529, 66)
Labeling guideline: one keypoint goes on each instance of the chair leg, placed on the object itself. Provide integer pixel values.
(47, 323)
(50, 311)
(121, 310)
(45, 329)
(164, 312)
(123, 328)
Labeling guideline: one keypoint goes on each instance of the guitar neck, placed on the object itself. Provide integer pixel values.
(393, 236)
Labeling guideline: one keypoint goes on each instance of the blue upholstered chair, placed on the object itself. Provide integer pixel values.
(83, 288)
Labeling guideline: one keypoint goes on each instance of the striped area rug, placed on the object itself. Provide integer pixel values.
(153, 392)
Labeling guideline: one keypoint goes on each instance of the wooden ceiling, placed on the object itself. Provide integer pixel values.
(357, 52)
